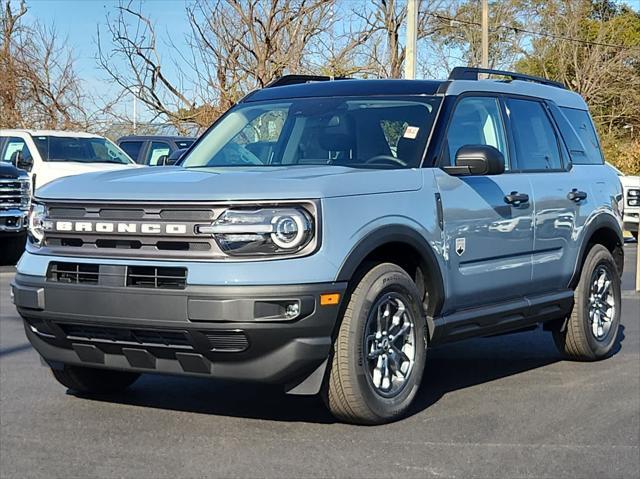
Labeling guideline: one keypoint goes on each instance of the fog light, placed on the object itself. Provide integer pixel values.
(292, 310)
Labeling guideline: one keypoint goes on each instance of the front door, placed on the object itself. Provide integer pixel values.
(487, 220)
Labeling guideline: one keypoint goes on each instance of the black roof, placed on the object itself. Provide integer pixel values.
(346, 87)
(156, 137)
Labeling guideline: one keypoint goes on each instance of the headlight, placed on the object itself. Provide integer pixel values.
(633, 201)
(265, 231)
(37, 223)
(634, 193)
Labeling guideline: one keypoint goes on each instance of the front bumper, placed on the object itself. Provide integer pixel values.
(231, 332)
(13, 221)
(631, 220)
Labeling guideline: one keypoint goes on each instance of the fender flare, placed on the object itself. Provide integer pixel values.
(601, 221)
(398, 234)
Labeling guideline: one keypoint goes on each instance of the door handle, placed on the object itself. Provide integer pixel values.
(516, 199)
(576, 195)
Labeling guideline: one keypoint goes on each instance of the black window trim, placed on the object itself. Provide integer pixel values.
(441, 156)
(565, 160)
(595, 133)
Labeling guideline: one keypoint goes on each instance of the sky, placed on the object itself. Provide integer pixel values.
(78, 21)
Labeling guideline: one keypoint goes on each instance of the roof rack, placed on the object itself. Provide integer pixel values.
(468, 73)
(297, 79)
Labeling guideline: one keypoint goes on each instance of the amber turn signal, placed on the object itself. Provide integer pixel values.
(329, 299)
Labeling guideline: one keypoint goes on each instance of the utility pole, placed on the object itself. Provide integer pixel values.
(485, 34)
(412, 39)
(135, 114)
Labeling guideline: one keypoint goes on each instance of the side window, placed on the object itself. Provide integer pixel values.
(477, 121)
(13, 146)
(156, 150)
(583, 126)
(535, 139)
(132, 148)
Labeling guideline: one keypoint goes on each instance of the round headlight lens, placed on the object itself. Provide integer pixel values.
(289, 230)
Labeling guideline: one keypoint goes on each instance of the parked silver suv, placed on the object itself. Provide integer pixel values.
(323, 234)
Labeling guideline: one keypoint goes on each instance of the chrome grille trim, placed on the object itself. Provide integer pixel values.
(14, 194)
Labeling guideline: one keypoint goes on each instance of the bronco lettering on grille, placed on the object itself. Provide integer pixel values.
(122, 228)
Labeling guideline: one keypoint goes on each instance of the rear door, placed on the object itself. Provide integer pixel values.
(488, 240)
(562, 194)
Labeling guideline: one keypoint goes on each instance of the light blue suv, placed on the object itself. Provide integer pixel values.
(322, 235)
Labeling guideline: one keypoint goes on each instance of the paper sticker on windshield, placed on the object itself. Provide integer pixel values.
(411, 132)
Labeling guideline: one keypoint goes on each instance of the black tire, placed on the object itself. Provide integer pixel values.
(94, 381)
(577, 339)
(635, 235)
(12, 248)
(349, 391)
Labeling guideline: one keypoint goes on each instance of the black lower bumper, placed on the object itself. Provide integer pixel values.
(233, 332)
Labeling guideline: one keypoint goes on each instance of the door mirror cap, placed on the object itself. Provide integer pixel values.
(22, 162)
(477, 160)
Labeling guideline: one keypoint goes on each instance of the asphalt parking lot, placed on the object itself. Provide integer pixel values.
(496, 407)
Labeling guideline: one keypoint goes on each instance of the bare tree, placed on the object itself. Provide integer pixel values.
(234, 47)
(39, 85)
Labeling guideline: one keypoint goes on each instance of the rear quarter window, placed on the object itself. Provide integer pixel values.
(583, 126)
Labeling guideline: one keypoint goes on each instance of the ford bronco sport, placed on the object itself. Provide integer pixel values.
(323, 234)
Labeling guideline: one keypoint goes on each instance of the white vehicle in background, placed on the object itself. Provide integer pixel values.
(631, 208)
(49, 155)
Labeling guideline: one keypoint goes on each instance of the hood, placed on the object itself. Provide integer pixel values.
(208, 184)
(630, 181)
(8, 171)
(52, 170)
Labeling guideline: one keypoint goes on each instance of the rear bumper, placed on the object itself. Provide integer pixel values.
(231, 332)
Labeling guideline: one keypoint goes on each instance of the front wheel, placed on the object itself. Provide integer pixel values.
(380, 349)
(591, 331)
(92, 380)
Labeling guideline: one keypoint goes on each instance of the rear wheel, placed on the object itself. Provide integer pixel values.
(591, 331)
(92, 380)
(379, 353)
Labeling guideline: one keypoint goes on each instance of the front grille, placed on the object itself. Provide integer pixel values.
(229, 341)
(14, 194)
(126, 237)
(174, 339)
(159, 277)
(74, 273)
(155, 277)
(219, 341)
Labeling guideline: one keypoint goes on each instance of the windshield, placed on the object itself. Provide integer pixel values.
(353, 132)
(83, 150)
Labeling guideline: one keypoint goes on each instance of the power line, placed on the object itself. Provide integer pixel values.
(524, 30)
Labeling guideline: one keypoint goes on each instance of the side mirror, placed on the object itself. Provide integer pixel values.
(477, 160)
(175, 157)
(22, 162)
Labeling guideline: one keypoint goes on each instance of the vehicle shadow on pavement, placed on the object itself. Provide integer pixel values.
(449, 368)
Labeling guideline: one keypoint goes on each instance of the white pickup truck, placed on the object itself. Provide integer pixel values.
(49, 155)
(631, 208)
